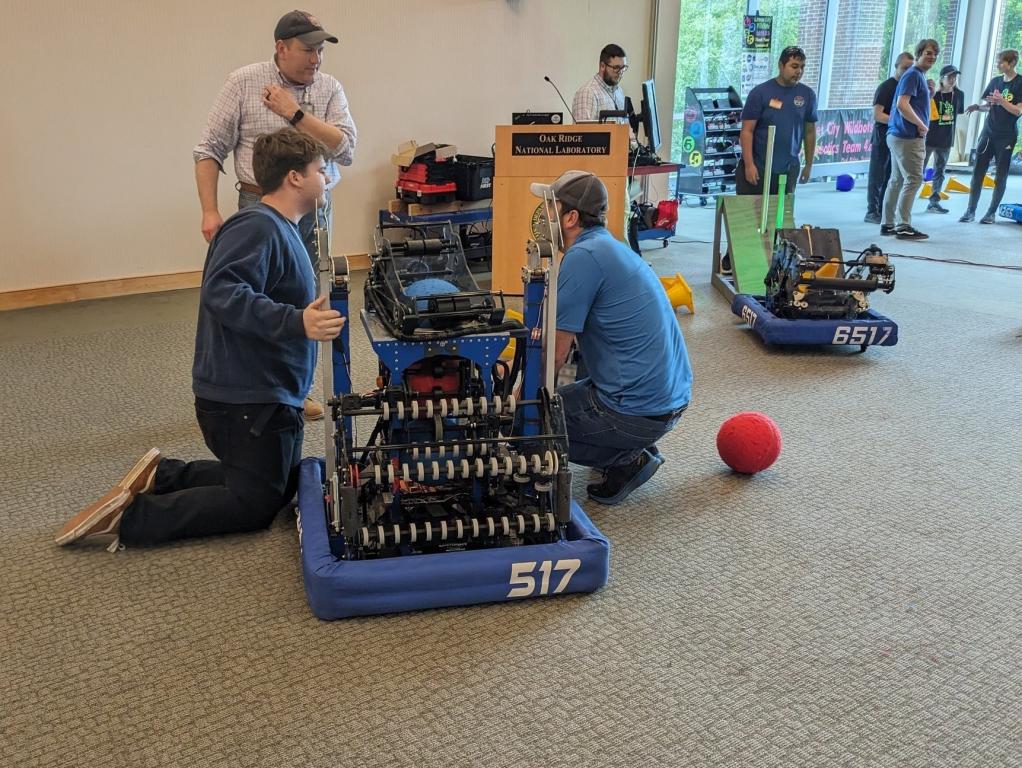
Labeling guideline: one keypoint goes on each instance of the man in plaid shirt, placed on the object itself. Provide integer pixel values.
(603, 90)
(263, 98)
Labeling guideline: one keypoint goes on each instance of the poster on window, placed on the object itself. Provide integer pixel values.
(757, 34)
(843, 135)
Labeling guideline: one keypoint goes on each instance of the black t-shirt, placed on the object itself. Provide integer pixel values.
(944, 108)
(1000, 122)
(884, 96)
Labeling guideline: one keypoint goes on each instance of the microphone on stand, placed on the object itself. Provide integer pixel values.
(570, 114)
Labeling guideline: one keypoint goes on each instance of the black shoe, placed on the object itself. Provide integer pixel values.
(936, 207)
(622, 480)
(989, 218)
(886, 229)
(967, 216)
(908, 232)
(872, 218)
(725, 264)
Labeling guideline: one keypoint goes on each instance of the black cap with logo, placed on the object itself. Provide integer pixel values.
(304, 26)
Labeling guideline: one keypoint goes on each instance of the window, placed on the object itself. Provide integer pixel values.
(709, 52)
(862, 51)
(709, 45)
(1009, 31)
(936, 19)
(802, 23)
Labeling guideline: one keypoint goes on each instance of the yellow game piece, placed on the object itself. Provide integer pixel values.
(678, 292)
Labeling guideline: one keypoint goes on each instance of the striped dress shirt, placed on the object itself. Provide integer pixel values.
(239, 117)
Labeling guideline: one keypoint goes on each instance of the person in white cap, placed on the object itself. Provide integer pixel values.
(611, 304)
(262, 98)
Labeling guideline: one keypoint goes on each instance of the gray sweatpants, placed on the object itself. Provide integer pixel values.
(907, 156)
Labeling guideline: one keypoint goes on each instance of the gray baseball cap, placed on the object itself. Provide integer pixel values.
(304, 26)
(578, 190)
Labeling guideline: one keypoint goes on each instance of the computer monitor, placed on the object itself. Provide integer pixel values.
(648, 116)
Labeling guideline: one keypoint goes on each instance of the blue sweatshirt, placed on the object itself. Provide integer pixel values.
(250, 343)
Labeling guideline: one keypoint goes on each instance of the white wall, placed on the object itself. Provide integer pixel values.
(104, 102)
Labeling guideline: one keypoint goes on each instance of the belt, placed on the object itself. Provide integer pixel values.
(254, 189)
(669, 416)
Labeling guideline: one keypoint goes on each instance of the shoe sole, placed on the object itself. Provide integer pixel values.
(116, 499)
(911, 237)
(142, 476)
(641, 477)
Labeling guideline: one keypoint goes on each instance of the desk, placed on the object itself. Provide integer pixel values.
(644, 172)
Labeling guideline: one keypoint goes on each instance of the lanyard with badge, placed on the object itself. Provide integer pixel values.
(305, 102)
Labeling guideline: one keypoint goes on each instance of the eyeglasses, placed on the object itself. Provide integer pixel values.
(618, 68)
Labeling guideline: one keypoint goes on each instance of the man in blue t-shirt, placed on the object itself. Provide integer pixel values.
(906, 138)
(255, 354)
(611, 304)
(788, 105)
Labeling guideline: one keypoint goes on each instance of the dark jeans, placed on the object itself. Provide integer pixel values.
(258, 446)
(940, 155)
(998, 149)
(601, 437)
(743, 187)
(306, 225)
(879, 170)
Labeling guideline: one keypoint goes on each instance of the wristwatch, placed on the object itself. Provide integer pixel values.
(297, 117)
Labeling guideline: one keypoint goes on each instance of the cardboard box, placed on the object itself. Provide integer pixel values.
(407, 152)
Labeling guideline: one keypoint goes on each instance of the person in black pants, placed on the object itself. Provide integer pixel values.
(1003, 97)
(947, 104)
(879, 154)
(255, 353)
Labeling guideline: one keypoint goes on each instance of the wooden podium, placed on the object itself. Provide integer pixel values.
(528, 153)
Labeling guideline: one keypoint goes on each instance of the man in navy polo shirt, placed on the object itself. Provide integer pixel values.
(906, 138)
(611, 304)
(788, 105)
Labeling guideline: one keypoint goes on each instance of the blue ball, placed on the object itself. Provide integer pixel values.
(430, 286)
(845, 183)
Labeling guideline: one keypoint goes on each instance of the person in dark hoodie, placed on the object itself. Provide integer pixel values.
(255, 353)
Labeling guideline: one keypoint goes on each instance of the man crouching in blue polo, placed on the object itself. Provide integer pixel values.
(611, 304)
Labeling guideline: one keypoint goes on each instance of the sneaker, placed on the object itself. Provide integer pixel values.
(936, 207)
(622, 480)
(872, 218)
(989, 218)
(313, 409)
(886, 229)
(967, 217)
(101, 517)
(908, 232)
(142, 476)
(725, 264)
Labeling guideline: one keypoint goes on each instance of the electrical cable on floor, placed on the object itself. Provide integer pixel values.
(963, 262)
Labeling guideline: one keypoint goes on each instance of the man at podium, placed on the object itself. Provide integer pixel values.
(611, 304)
(603, 90)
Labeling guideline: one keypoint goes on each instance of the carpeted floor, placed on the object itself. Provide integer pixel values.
(860, 604)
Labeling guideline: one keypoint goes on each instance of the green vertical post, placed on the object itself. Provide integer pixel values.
(782, 182)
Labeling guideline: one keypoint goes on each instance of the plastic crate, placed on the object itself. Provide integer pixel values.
(474, 177)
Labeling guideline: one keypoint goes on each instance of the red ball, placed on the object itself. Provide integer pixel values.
(749, 442)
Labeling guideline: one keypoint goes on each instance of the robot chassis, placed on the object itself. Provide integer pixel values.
(808, 279)
(456, 459)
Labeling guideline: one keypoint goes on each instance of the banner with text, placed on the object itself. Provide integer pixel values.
(757, 34)
(843, 135)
